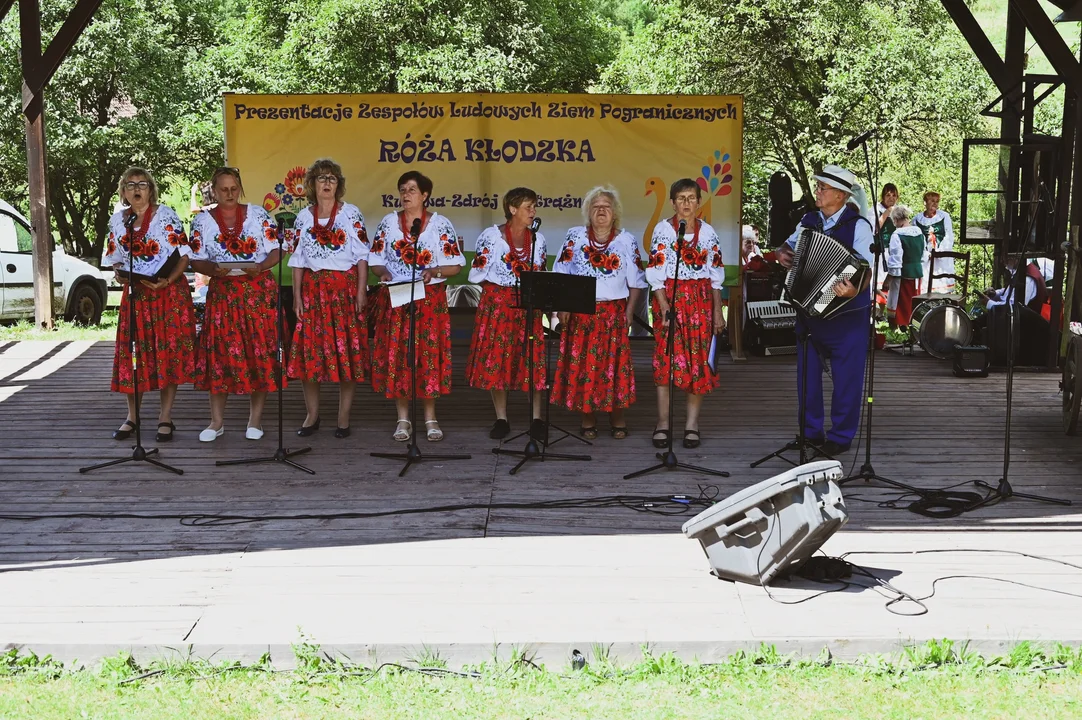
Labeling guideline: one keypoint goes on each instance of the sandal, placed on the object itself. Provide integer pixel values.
(432, 430)
(165, 437)
(590, 433)
(618, 433)
(661, 442)
(125, 430)
(402, 434)
(689, 441)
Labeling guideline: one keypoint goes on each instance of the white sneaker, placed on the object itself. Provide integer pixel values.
(253, 433)
(210, 434)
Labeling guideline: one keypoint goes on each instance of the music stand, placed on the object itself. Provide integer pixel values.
(282, 454)
(413, 452)
(549, 292)
(139, 453)
(668, 459)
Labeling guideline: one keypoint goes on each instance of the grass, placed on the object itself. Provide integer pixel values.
(938, 679)
(62, 330)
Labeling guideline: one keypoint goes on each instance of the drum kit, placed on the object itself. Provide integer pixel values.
(938, 324)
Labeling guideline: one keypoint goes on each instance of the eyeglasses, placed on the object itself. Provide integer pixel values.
(686, 199)
(141, 185)
(332, 179)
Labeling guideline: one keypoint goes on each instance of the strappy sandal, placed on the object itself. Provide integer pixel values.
(165, 437)
(663, 441)
(618, 433)
(402, 434)
(125, 430)
(432, 430)
(590, 433)
(689, 441)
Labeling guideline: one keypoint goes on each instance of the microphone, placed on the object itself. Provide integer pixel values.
(129, 221)
(535, 225)
(415, 230)
(682, 229)
(859, 140)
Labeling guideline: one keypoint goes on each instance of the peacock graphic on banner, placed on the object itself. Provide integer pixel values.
(715, 180)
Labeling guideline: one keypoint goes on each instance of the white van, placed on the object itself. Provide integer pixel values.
(79, 292)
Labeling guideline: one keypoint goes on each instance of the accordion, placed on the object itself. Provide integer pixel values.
(819, 262)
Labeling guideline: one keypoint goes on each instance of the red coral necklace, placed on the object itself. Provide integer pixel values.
(323, 232)
(230, 234)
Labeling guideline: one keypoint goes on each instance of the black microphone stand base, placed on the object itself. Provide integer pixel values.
(669, 461)
(794, 445)
(543, 438)
(281, 455)
(413, 455)
(1004, 491)
(535, 450)
(868, 474)
(139, 454)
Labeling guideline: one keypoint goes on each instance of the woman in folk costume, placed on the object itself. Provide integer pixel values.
(498, 360)
(239, 340)
(697, 306)
(146, 235)
(595, 372)
(436, 256)
(939, 232)
(906, 256)
(888, 198)
(330, 270)
(840, 201)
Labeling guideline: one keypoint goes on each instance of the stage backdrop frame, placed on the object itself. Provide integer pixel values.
(476, 146)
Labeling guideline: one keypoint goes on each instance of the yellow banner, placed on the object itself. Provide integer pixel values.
(476, 146)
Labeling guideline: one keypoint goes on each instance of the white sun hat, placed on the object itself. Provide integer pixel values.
(838, 177)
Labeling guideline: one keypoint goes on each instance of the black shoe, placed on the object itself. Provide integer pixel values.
(539, 430)
(342, 432)
(660, 442)
(126, 429)
(165, 437)
(691, 438)
(500, 429)
(307, 430)
(832, 448)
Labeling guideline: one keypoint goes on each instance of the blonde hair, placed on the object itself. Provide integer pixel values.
(226, 172)
(134, 171)
(614, 197)
(319, 167)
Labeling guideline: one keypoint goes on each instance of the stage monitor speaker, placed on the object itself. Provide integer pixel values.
(971, 361)
(783, 213)
(774, 527)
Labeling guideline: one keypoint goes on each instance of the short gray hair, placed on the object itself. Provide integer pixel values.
(614, 197)
(900, 214)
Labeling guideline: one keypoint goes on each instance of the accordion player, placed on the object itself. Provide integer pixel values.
(827, 257)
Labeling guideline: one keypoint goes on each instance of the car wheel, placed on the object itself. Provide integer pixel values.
(84, 307)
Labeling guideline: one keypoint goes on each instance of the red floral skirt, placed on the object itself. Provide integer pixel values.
(594, 372)
(379, 318)
(330, 343)
(391, 365)
(498, 360)
(239, 340)
(694, 331)
(164, 338)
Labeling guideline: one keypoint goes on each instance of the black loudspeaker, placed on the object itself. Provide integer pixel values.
(971, 361)
(784, 213)
(1030, 336)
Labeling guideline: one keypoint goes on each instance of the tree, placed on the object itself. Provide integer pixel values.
(814, 73)
(130, 92)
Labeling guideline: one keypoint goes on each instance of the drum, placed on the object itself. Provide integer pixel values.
(938, 325)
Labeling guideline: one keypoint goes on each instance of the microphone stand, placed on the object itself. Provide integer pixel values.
(867, 470)
(282, 454)
(139, 453)
(536, 447)
(1003, 490)
(413, 452)
(668, 459)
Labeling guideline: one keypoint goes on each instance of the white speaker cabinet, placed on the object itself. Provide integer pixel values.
(774, 526)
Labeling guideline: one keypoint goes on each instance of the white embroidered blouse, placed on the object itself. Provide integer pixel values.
(701, 258)
(438, 246)
(494, 262)
(617, 268)
(257, 239)
(343, 247)
(165, 235)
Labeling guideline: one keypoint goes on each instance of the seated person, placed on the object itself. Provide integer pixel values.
(1032, 325)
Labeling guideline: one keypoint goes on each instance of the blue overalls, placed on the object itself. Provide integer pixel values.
(844, 339)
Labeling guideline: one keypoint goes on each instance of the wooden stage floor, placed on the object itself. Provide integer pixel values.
(468, 581)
